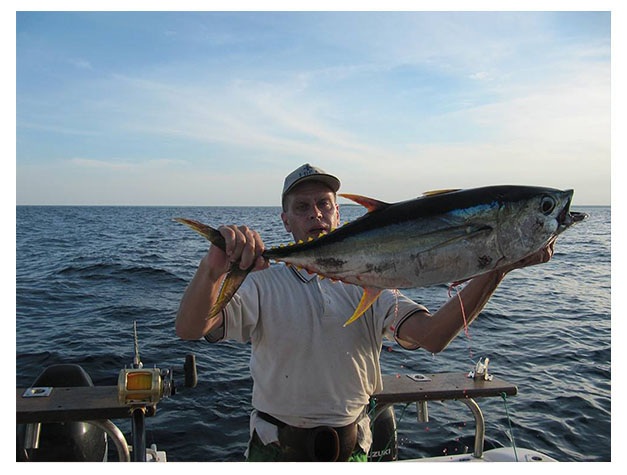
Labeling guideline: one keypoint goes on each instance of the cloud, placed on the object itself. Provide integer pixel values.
(479, 76)
(90, 163)
(81, 64)
(460, 100)
(116, 165)
(268, 117)
(553, 128)
(55, 128)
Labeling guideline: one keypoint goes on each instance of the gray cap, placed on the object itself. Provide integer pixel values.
(308, 173)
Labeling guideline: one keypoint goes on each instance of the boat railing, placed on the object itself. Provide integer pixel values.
(99, 404)
(420, 388)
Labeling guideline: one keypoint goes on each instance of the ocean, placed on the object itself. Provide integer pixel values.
(84, 274)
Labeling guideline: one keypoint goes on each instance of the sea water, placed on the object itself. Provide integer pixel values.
(84, 274)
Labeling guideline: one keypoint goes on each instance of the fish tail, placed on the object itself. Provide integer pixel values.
(234, 277)
(213, 235)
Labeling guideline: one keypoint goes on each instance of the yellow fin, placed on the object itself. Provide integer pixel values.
(231, 283)
(439, 192)
(367, 299)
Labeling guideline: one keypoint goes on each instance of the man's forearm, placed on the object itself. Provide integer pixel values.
(201, 294)
(435, 332)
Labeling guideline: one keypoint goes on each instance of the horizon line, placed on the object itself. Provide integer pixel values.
(219, 206)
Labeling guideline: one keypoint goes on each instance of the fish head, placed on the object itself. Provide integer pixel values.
(530, 217)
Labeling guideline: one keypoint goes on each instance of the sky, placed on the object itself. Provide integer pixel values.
(216, 108)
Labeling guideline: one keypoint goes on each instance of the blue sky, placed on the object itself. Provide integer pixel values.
(215, 108)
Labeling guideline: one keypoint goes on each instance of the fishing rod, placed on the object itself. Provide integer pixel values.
(142, 388)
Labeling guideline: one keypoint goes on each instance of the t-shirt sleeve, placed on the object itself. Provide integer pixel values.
(396, 308)
(241, 315)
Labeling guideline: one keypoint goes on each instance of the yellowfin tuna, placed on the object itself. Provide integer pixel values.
(442, 237)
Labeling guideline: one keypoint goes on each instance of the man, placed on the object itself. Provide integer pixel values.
(312, 377)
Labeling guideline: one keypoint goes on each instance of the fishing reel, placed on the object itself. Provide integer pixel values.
(139, 386)
(147, 386)
(140, 389)
(144, 387)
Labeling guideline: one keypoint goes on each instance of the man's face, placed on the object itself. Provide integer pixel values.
(310, 209)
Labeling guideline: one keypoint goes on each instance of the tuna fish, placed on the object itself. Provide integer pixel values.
(441, 237)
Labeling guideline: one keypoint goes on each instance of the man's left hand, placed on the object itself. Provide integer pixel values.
(539, 257)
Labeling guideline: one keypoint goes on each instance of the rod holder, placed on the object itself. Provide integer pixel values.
(31, 437)
(422, 411)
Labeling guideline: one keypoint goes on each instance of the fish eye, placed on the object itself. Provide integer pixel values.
(547, 205)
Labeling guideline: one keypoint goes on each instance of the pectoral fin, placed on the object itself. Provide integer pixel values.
(231, 283)
(367, 299)
(460, 233)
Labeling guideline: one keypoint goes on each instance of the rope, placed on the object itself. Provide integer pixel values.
(509, 421)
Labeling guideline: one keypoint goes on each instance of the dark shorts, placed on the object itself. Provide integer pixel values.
(257, 452)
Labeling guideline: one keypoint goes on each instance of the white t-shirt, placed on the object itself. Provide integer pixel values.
(307, 369)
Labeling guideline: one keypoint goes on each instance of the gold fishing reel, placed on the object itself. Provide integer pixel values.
(142, 386)
(139, 386)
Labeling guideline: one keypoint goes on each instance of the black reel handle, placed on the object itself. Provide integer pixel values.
(191, 375)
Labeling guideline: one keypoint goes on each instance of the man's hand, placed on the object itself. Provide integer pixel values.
(243, 245)
(540, 257)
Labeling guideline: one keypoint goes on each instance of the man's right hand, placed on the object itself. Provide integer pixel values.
(243, 245)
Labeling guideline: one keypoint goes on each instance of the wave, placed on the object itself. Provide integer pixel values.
(121, 272)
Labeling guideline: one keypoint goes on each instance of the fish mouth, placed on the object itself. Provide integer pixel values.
(566, 217)
(576, 216)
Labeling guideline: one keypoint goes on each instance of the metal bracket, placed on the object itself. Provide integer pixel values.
(419, 378)
(37, 392)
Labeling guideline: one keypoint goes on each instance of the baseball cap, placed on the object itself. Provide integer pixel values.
(307, 172)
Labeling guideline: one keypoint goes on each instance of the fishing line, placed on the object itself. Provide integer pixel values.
(396, 293)
(509, 421)
(461, 304)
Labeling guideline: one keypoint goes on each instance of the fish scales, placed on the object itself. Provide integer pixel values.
(397, 254)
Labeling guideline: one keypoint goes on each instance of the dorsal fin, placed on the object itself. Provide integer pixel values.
(439, 192)
(369, 203)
